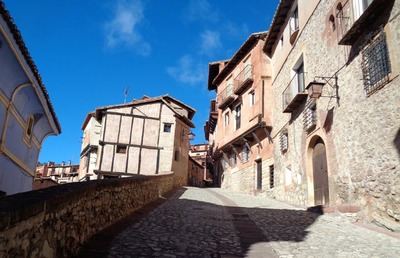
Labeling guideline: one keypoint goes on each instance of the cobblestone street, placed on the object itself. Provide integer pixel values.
(197, 222)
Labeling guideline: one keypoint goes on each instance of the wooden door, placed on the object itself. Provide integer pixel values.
(320, 173)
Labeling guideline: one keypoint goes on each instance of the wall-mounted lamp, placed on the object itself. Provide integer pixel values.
(314, 89)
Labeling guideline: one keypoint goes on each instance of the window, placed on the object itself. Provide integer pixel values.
(121, 149)
(245, 153)
(281, 41)
(29, 127)
(238, 109)
(259, 174)
(294, 21)
(176, 155)
(299, 76)
(359, 6)
(233, 160)
(252, 98)
(332, 22)
(310, 116)
(283, 141)
(226, 119)
(167, 127)
(271, 177)
(375, 64)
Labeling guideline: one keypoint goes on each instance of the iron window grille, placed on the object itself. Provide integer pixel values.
(283, 141)
(245, 153)
(310, 116)
(375, 64)
(271, 177)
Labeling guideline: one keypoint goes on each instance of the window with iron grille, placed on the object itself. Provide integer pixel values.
(271, 177)
(310, 116)
(283, 140)
(376, 64)
(245, 153)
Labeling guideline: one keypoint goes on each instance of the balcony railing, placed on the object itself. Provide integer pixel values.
(226, 97)
(294, 94)
(356, 16)
(244, 79)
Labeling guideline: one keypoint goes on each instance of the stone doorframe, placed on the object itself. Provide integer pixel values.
(310, 143)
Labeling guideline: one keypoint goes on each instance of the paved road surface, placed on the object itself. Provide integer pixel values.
(198, 222)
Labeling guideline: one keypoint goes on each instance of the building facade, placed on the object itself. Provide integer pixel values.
(336, 113)
(239, 125)
(146, 136)
(59, 173)
(26, 114)
(196, 173)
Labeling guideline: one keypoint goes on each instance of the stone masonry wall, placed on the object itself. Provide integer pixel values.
(362, 154)
(54, 222)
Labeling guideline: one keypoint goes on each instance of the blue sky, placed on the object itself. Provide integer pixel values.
(89, 51)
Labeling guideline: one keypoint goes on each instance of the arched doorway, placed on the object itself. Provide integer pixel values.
(320, 173)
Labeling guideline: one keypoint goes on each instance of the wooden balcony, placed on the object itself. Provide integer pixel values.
(294, 94)
(243, 80)
(226, 97)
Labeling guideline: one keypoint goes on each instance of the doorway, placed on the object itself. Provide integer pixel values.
(320, 173)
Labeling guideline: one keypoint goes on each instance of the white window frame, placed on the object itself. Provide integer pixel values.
(252, 98)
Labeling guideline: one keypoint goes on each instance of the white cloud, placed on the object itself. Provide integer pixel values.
(188, 71)
(210, 41)
(201, 10)
(122, 30)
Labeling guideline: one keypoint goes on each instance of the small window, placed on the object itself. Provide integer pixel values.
(271, 177)
(252, 98)
(332, 22)
(294, 21)
(233, 160)
(121, 149)
(176, 155)
(283, 140)
(238, 115)
(281, 41)
(245, 153)
(29, 127)
(226, 119)
(167, 127)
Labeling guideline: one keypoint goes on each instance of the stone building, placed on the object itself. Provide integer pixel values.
(199, 152)
(196, 173)
(26, 114)
(336, 105)
(59, 173)
(239, 125)
(146, 136)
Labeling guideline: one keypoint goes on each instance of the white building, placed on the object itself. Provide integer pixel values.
(26, 114)
(146, 136)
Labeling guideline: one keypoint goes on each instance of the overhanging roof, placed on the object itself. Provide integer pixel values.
(278, 21)
(25, 52)
(247, 46)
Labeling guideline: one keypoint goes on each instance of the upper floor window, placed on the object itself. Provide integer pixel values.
(29, 128)
(359, 6)
(283, 141)
(167, 127)
(238, 115)
(226, 119)
(233, 160)
(376, 64)
(294, 20)
(299, 75)
(245, 153)
(252, 98)
(121, 149)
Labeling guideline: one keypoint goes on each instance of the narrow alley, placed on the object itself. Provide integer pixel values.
(200, 222)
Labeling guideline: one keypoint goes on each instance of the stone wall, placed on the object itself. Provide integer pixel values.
(359, 131)
(54, 222)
